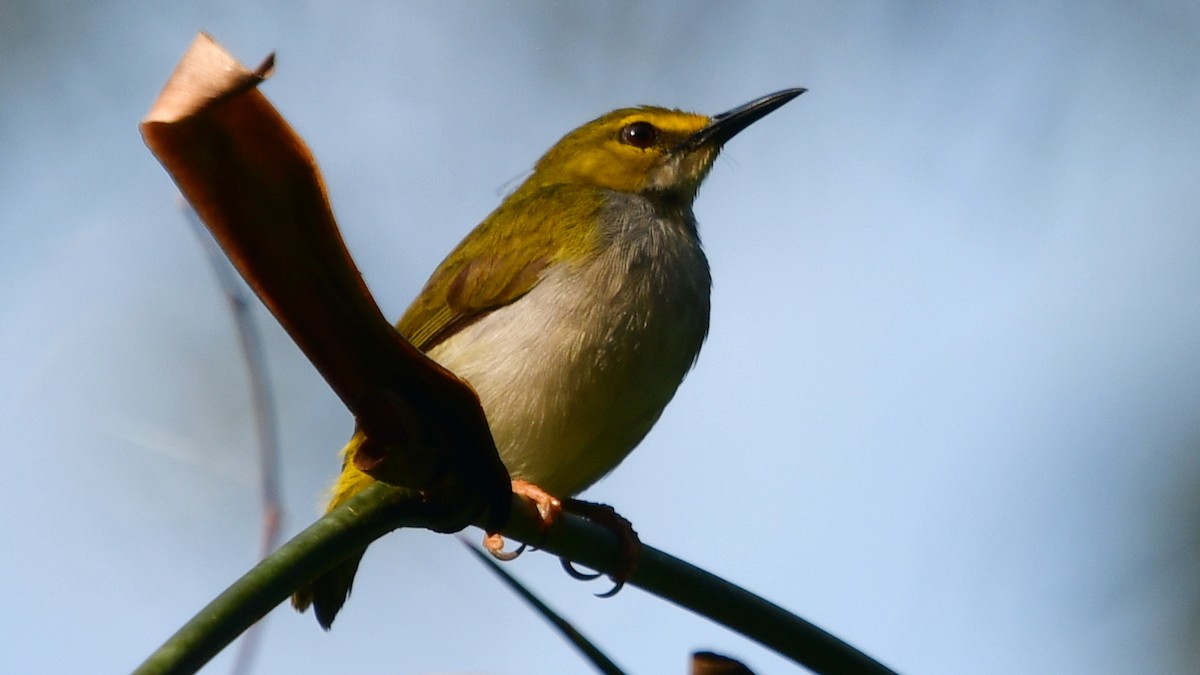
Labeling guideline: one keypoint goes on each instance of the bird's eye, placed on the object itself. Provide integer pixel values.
(639, 135)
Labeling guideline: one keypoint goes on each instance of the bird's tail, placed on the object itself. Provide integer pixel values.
(328, 592)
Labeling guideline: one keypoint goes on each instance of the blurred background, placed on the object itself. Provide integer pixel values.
(949, 409)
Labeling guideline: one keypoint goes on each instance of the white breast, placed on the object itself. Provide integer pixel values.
(573, 374)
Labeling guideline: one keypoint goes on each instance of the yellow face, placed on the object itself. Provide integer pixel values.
(631, 150)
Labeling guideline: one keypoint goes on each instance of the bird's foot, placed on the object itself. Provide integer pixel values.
(630, 551)
(548, 507)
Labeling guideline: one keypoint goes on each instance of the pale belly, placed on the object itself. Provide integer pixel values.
(575, 373)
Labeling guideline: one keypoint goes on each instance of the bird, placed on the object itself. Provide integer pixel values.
(575, 309)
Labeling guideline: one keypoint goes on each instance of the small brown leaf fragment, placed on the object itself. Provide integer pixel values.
(711, 663)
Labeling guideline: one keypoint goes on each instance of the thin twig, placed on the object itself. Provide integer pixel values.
(590, 651)
(262, 405)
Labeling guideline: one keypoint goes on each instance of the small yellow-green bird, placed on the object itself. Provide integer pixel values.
(576, 308)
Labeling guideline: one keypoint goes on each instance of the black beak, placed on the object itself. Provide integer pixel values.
(728, 124)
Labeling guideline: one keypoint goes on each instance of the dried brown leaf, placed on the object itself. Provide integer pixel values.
(255, 184)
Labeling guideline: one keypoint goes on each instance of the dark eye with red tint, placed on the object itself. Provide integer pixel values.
(639, 135)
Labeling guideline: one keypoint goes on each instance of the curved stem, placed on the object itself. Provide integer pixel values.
(382, 508)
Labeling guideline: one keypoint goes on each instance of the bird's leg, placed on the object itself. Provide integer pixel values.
(630, 545)
(548, 507)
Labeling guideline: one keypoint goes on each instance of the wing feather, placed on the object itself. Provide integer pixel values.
(503, 259)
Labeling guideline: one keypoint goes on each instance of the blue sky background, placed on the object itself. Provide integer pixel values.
(949, 409)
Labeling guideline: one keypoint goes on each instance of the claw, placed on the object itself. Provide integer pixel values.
(630, 550)
(617, 586)
(548, 508)
(574, 572)
(494, 544)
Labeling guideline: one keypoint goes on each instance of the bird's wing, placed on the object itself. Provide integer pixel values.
(501, 260)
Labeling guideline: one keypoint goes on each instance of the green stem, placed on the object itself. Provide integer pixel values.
(705, 594)
(382, 508)
(370, 515)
